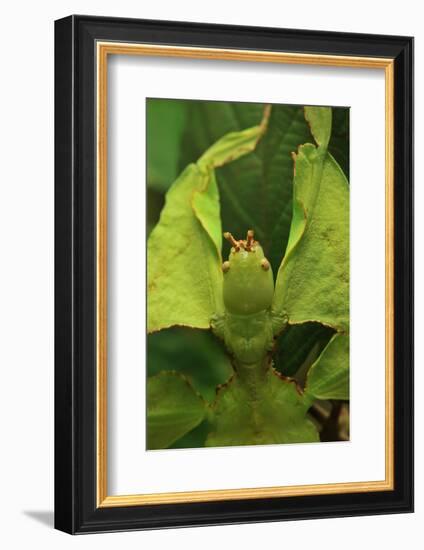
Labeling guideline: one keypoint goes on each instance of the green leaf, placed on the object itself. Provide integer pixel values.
(276, 414)
(195, 353)
(328, 377)
(319, 119)
(165, 121)
(313, 280)
(256, 190)
(207, 121)
(330, 128)
(194, 439)
(184, 249)
(235, 144)
(173, 409)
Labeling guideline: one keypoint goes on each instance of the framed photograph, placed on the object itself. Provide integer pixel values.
(234, 270)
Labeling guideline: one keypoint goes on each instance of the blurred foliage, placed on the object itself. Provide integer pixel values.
(155, 201)
(300, 343)
(339, 142)
(256, 192)
(165, 124)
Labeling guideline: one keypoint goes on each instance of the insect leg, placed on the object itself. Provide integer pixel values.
(217, 325)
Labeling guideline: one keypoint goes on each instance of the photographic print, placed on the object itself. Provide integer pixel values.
(248, 273)
(218, 289)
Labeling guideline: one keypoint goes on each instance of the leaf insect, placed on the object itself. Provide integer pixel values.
(246, 326)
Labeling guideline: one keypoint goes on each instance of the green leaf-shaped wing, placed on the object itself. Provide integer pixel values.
(277, 414)
(173, 409)
(184, 248)
(183, 271)
(320, 122)
(313, 279)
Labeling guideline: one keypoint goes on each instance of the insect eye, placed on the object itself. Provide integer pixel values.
(265, 264)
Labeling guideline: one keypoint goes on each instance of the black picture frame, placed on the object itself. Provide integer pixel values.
(76, 509)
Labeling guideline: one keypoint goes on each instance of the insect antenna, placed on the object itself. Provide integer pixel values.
(250, 240)
(231, 239)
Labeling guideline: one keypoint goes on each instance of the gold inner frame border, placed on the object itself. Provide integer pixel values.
(103, 50)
